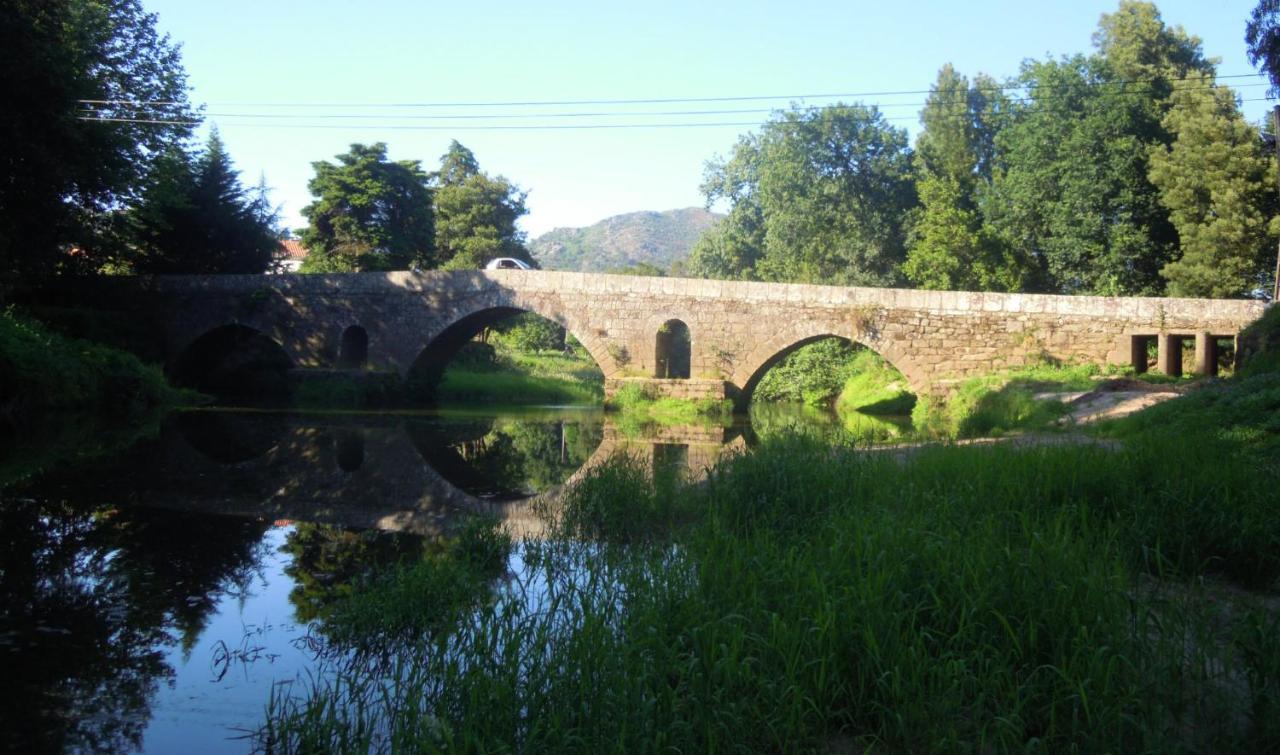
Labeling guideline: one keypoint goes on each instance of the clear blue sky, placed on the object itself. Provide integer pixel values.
(326, 53)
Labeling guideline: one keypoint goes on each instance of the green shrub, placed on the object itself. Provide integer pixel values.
(41, 372)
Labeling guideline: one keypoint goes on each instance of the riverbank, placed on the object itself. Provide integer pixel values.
(44, 373)
(65, 400)
(815, 598)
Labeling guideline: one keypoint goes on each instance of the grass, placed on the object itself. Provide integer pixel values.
(513, 376)
(637, 406)
(992, 405)
(875, 387)
(42, 372)
(807, 598)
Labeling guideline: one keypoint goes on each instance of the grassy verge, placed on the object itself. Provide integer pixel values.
(996, 404)
(511, 376)
(42, 373)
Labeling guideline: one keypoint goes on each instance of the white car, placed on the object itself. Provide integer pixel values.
(507, 263)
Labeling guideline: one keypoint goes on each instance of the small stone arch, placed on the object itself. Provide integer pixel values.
(353, 350)
(672, 350)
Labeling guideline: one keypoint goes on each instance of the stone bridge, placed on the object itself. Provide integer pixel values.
(412, 323)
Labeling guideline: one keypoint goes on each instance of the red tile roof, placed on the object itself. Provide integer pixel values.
(291, 250)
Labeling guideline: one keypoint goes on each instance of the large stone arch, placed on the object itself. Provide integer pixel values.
(429, 353)
(749, 370)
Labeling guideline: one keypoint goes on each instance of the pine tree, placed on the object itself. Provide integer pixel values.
(1218, 183)
(197, 218)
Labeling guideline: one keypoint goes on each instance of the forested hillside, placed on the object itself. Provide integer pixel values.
(660, 239)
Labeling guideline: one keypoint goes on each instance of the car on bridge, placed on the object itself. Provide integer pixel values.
(507, 263)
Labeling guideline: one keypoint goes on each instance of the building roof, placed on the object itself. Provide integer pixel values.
(291, 249)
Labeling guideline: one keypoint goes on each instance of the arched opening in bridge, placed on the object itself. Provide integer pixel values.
(672, 347)
(234, 362)
(861, 392)
(353, 353)
(509, 356)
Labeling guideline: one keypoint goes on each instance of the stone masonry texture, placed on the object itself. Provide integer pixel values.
(737, 329)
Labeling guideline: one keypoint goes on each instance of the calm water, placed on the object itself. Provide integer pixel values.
(151, 600)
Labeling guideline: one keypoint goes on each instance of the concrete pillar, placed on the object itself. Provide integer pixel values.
(1206, 355)
(1138, 353)
(1169, 354)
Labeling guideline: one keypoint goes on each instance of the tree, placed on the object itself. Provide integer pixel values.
(369, 214)
(731, 249)
(1262, 36)
(950, 245)
(1218, 183)
(819, 196)
(197, 218)
(1073, 193)
(476, 214)
(68, 68)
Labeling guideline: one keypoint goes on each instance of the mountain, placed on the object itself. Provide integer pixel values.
(656, 238)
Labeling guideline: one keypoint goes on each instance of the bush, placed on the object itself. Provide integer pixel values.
(41, 372)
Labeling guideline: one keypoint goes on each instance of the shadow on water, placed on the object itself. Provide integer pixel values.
(183, 576)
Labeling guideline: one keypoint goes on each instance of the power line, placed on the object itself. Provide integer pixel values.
(650, 101)
(467, 127)
(618, 114)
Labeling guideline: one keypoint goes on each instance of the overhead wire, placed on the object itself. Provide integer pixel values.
(271, 120)
(649, 101)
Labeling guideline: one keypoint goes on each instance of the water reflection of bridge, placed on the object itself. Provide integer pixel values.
(389, 472)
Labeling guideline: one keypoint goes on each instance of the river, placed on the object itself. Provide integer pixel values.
(155, 597)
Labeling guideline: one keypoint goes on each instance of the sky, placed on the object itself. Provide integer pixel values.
(291, 83)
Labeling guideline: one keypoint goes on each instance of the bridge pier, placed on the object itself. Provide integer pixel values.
(1206, 354)
(1169, 354)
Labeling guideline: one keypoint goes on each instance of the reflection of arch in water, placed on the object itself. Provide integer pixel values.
(225, 437)
(781, 345)
(304, 476)
(395, 486)
(233, 360)
(433, 359)
(350, 449)
(507, 461)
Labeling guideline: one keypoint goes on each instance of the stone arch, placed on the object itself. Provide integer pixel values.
(233, 360)
(748, 371)
(426, 364)
(673, 350)
(353, 348)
